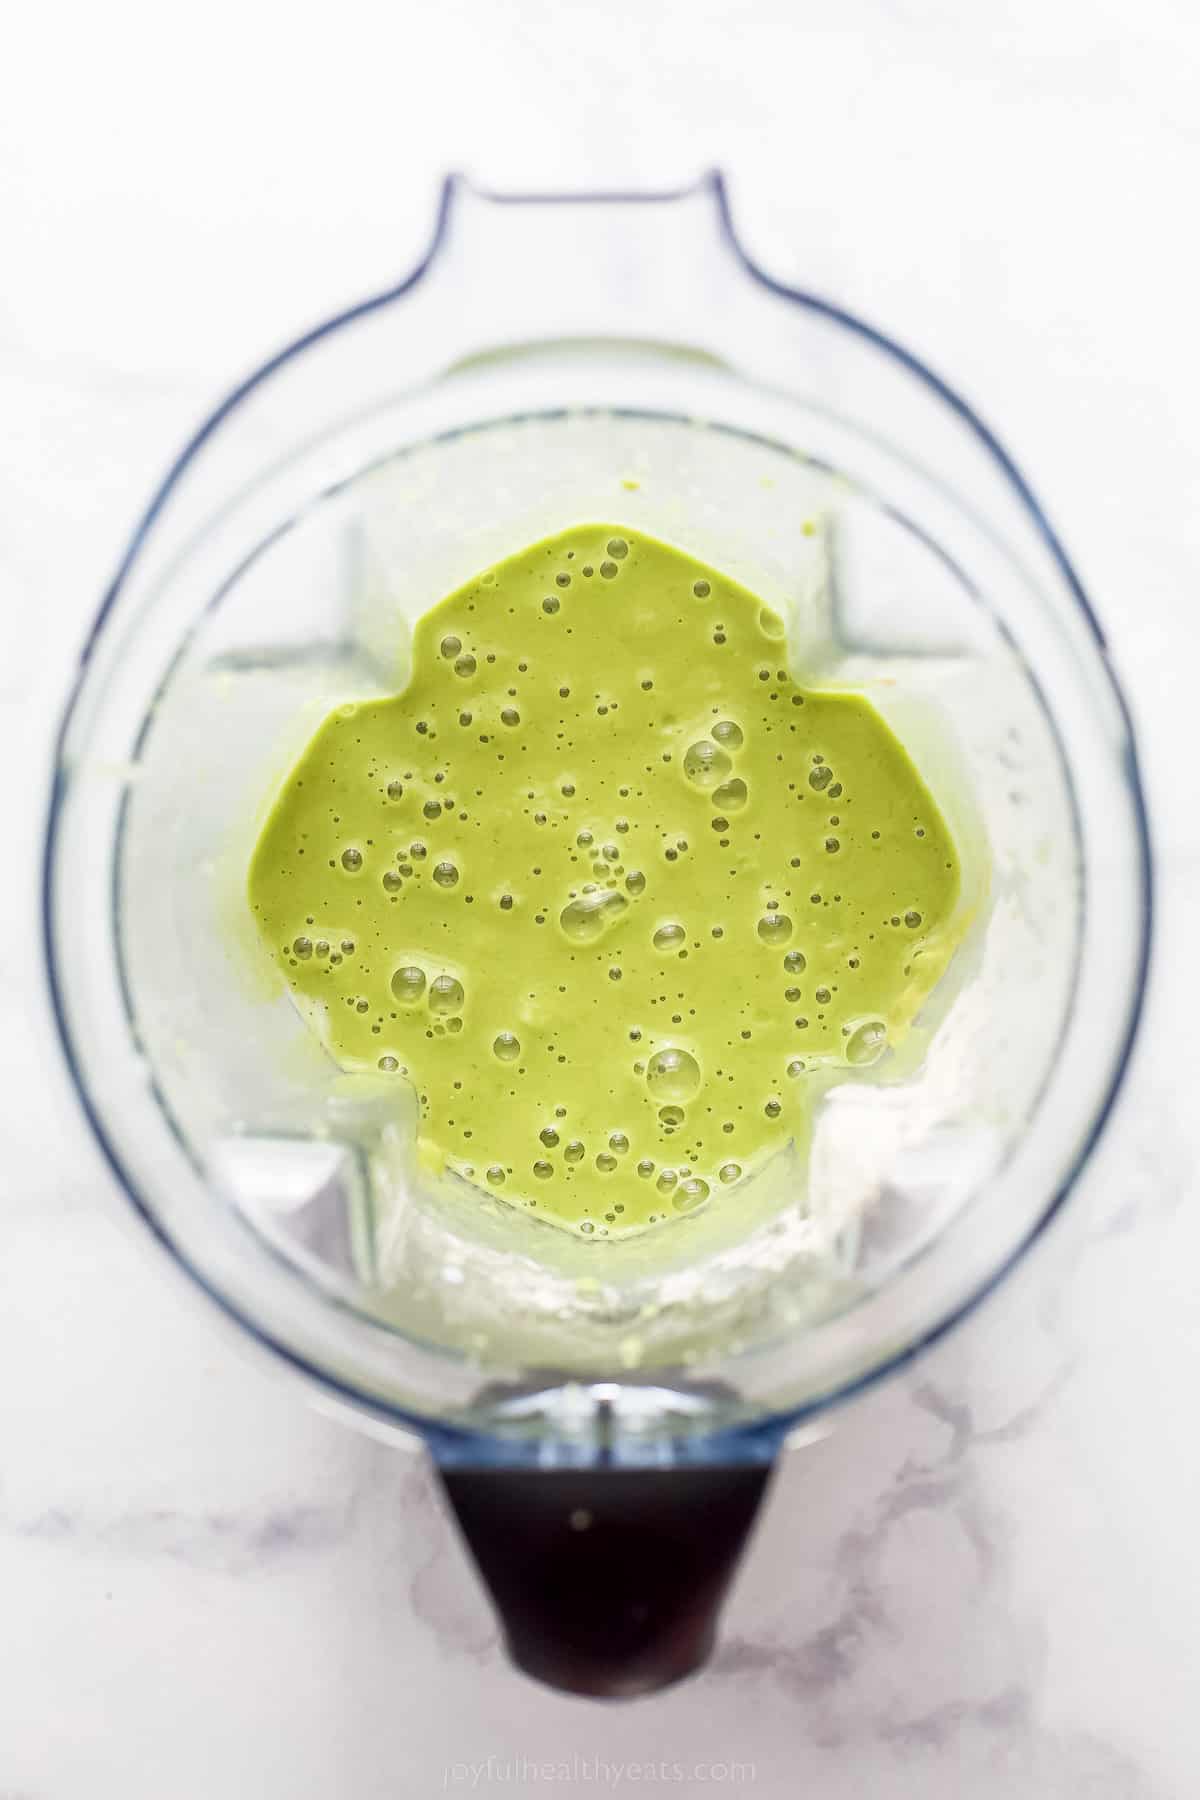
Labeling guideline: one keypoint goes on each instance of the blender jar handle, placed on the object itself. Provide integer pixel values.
(608, 1580)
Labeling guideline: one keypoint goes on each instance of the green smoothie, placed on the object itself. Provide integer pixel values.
(605, 884)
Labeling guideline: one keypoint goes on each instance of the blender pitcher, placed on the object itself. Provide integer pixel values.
(603, 1415)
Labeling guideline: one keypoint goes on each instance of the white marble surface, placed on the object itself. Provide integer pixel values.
(987, 1582)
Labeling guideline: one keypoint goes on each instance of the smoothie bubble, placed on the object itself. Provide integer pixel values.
(617, 547)
(731, 796)
(591, 915)
(495, 1175)
(728, 733)
(666, 1181)
(705, 764)
(352, 860)
(645, 1168)
(548, 1137)
(690, 1194)
(619, 1142)
(820, 777)
(392, 882)
(388, 1064)
(395, 790)
(542, 1169)
(673, 1075)
(729, 1172)
(795, 962)
(635, 882)
(465, 666)
(408, 984)
(445, 874)
(701, 589)
(774, 928)
(866, 1043)
(574, 1151)
(506, 1047)
(671, 1116)
(450, 646)
(302, 947)
(445, 994)
(670, 937)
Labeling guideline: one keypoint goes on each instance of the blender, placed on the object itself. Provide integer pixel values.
(604, 1417)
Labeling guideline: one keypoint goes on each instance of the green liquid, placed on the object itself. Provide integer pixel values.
(605, 884)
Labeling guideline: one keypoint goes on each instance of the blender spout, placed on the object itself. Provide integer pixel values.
(608, 1581)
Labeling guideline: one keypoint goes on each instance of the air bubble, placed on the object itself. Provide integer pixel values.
(795, 962)
(770, 624)
(728, 733)
(912, 920)
(496, 1175)
(731, 796)
(408, 984)
(619, 1142)
(635, 882)
(451, 646)
(445, 874)
(550, 604)
(670, 937)
(645, 1168)
(866, 1043)
(822, 996)
(820, 777)
(506, 1047)
(509, 716)
(673, 1074)
(606, 1162)
(391, 881)
(773, 1108)
(548, 1137)
(542, 1169)
(705, 764)
(445, 994)
(574, 1151)
(352, 859)
(583, 839)
(302, 947)
(795, 1068)
(729, 1172)
(395, 790)
(432, 809)
(701, 589)
(671, 1116)
(388, 1064)
(774, 928)
(465, 666)
(666, 1181)
(832, 845)
(690, 1194)
(617, 547)
(608, 570)
(587, 918)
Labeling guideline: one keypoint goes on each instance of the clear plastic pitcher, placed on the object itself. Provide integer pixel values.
(604, 1415)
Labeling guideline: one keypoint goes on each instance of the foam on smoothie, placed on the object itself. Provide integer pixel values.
(605, 884)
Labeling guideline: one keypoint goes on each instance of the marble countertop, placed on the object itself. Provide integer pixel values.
(986, 1581)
